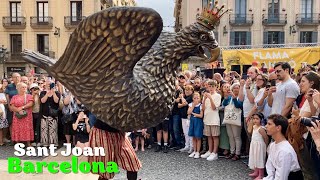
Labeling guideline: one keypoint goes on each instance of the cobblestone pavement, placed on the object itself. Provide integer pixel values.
(156, 166)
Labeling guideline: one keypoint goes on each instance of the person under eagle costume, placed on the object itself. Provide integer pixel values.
(120, 65)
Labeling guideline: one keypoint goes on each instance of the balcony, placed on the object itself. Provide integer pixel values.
(72, 21)
(308, 19)
(44, 22)
(50, 54)
(241, 19)
(15, 57)
(14, 22)
(274, 19)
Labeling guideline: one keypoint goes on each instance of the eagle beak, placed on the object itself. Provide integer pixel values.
(215, 53)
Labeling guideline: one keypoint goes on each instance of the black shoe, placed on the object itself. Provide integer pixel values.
(165, 149)
(158, 148)
(171, 146)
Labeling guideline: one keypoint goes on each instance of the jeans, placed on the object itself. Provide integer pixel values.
(92, 119)
(177, 129)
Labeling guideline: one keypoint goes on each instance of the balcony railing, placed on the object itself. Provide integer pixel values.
(41, 22)
(48, 53)
(241, 19)
(72, 21)
(274, 19)
(15, 57)
(18, 22)
(308, 19)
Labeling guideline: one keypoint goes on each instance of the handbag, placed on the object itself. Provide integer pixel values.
(24, 112)
(232, 115)
(53, 112)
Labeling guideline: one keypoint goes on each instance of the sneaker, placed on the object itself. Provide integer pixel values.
(213, 157)
(6, 140)
(165, 149)
(197, 155)
(38, 144)
(190, 150)
(192, 154)
(34, 144)
(185, 149)
(158, 148)
(206, 155)
(149, 146)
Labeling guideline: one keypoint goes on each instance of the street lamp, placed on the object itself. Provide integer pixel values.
(3, 56)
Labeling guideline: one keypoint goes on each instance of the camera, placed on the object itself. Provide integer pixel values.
(307, 121)
(273, 82)
(82, 108)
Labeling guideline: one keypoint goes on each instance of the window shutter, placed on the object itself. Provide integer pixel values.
(281, 37)
(314, 37)
(248, 38)
(232, 38)
(265, 37)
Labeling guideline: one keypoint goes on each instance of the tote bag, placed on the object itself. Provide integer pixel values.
(232, 115)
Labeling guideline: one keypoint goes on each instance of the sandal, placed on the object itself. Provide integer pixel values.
(236, 157)
(230, 156)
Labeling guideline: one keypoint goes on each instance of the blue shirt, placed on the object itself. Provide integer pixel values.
(11, 90)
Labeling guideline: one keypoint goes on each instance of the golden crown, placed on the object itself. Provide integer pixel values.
(211, 16)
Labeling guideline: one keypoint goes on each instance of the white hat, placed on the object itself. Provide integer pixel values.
(34, 85)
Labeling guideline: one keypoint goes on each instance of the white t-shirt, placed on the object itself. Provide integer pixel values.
(281, 161)
(211, 117)
(247, 106)
(288, 89)
(266, 109)
(3, 97)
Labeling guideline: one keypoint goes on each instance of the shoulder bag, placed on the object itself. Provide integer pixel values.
(24, 112)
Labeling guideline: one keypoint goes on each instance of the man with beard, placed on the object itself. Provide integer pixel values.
(282, 96)
(197, 85)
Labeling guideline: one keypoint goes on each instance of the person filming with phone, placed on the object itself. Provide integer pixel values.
(49, 106)
(282, 96)
(305, 107)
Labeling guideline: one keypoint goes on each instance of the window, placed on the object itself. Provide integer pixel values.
(42, 11)
(273, 10)
(43, 43)
(206, 2)
(273, 37)
(308, 37)
(16, 44)
(241, 10)
(240, 38)
(15, 11)
(76, 10)
(306, 9)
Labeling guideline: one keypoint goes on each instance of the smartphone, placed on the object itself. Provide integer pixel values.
(244, 76)
(268, 85)
(273, 82)
(52, 85)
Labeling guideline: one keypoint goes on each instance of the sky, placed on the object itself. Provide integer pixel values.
(164, 7)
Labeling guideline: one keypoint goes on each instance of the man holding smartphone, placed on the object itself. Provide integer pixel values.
(282, 96)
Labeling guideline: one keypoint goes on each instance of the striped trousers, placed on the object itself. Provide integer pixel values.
(49, 130)
(117, 149)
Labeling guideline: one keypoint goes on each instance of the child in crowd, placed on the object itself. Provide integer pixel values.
(82, 128)
(196, 124)
(258, 147)
(140, 135)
